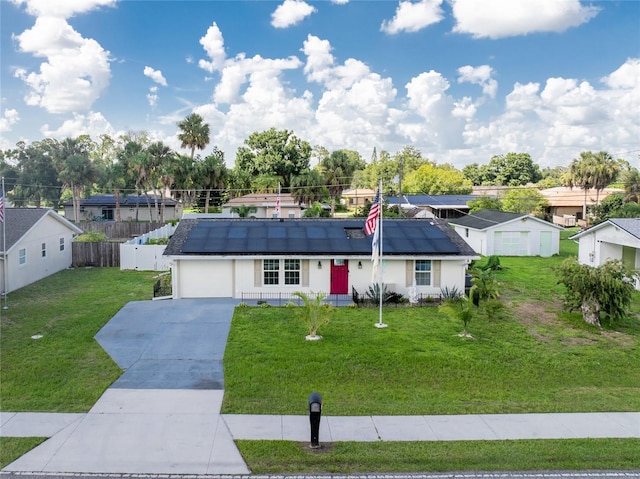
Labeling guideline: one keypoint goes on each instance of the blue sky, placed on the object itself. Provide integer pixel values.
(460, 80)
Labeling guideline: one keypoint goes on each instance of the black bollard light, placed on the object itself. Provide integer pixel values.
(315, 411)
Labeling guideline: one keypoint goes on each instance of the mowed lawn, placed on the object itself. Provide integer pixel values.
(65, 370)
(527, 356)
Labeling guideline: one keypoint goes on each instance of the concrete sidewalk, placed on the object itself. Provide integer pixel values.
(182, 432)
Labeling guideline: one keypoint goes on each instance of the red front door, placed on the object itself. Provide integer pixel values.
(339, 277)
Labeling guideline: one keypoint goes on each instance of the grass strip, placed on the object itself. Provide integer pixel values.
(11, 448)
(277, 457)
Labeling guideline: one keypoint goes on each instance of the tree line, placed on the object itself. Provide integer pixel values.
(50, 171)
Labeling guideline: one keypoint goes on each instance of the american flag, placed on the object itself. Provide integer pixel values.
(1, 206)
(372, 220)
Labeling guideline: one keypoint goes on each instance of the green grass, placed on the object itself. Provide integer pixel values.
(66, 370)
(275, 457)
(11, 448)
(419, 364)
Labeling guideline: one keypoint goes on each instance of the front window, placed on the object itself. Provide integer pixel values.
(423, 272)
(271, 271)
(291, 271)
(22, 256)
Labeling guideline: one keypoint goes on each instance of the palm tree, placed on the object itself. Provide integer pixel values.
(243, 211)
(308, 187)
(631, 181)
(338, 170)
(212, 173)
(582, 173)
(606, 170)
(75, 169)
(194, 133)
(315, 313)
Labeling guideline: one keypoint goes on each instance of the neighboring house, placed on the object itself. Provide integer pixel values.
(38, 244)
(357, 197)
(229, 258)
(616, 238)
(264, 205)
(565, 204)
(104, 208)
(491, 232)
(434, 206)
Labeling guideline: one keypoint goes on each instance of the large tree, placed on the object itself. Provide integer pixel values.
(194, 133)
(431, 179)
(274, 153)
(512, 169)
(525, 200)
(75, 169)
(308, 187)
(38, 180)
(212, 174)
(337, 170)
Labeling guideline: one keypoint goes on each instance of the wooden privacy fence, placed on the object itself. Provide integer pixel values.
(104, 254)
(123, 230)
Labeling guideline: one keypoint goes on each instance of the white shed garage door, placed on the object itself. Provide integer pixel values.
(511, 243)
(206, 279)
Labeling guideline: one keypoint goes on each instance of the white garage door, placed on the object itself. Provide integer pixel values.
(206, 279)
(511, 243)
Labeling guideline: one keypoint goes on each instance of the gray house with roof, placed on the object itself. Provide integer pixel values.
(132, 208)
(616, 238)
(492, 232)
(38, 244)
(230, 258)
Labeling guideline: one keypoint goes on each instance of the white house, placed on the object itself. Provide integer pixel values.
(491, 232)
(232, 258)
(263, 205)
(616, 238)
(132, 208)
(38, 244)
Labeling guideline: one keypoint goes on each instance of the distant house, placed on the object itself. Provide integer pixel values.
(264, 206)
(434, 206)
(357, 197)
(566, 204)
(132, 208)
(230, 258)
(38, 244)
(616, 238)
(491, 232)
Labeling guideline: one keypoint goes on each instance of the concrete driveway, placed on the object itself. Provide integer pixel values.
(172, 344)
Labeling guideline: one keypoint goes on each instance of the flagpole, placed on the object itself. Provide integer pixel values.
(5, 286)
(380, 324)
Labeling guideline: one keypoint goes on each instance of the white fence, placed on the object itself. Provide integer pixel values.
(135, 254)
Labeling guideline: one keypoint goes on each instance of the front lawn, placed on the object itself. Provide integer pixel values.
(64, 370)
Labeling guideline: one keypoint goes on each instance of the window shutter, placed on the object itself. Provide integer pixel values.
(257, 273)
(408, 280)
(435, 272)
(305, 272)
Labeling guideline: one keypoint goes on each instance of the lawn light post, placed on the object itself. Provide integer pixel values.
(315, 411)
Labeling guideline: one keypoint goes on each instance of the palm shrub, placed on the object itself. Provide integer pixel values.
(313, 312)
(373, 294)
(486, 284)
(460, 308)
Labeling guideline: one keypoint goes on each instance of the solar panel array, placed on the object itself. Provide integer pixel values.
(313, 237)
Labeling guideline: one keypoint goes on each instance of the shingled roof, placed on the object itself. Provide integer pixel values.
(483, 219)
(270, 237)
(19, 221)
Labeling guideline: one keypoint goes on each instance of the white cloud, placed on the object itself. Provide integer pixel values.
(340, 2)
(61, 8)
(479, 76)
(412, 17)
(76, 70)
(152, 96)
(291, 12)
(213, 44)
(627, 76)
(155, 75)
(9, 118)
(93, 123)
(505, 18)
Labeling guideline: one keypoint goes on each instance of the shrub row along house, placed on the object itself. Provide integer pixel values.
(237, 257)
